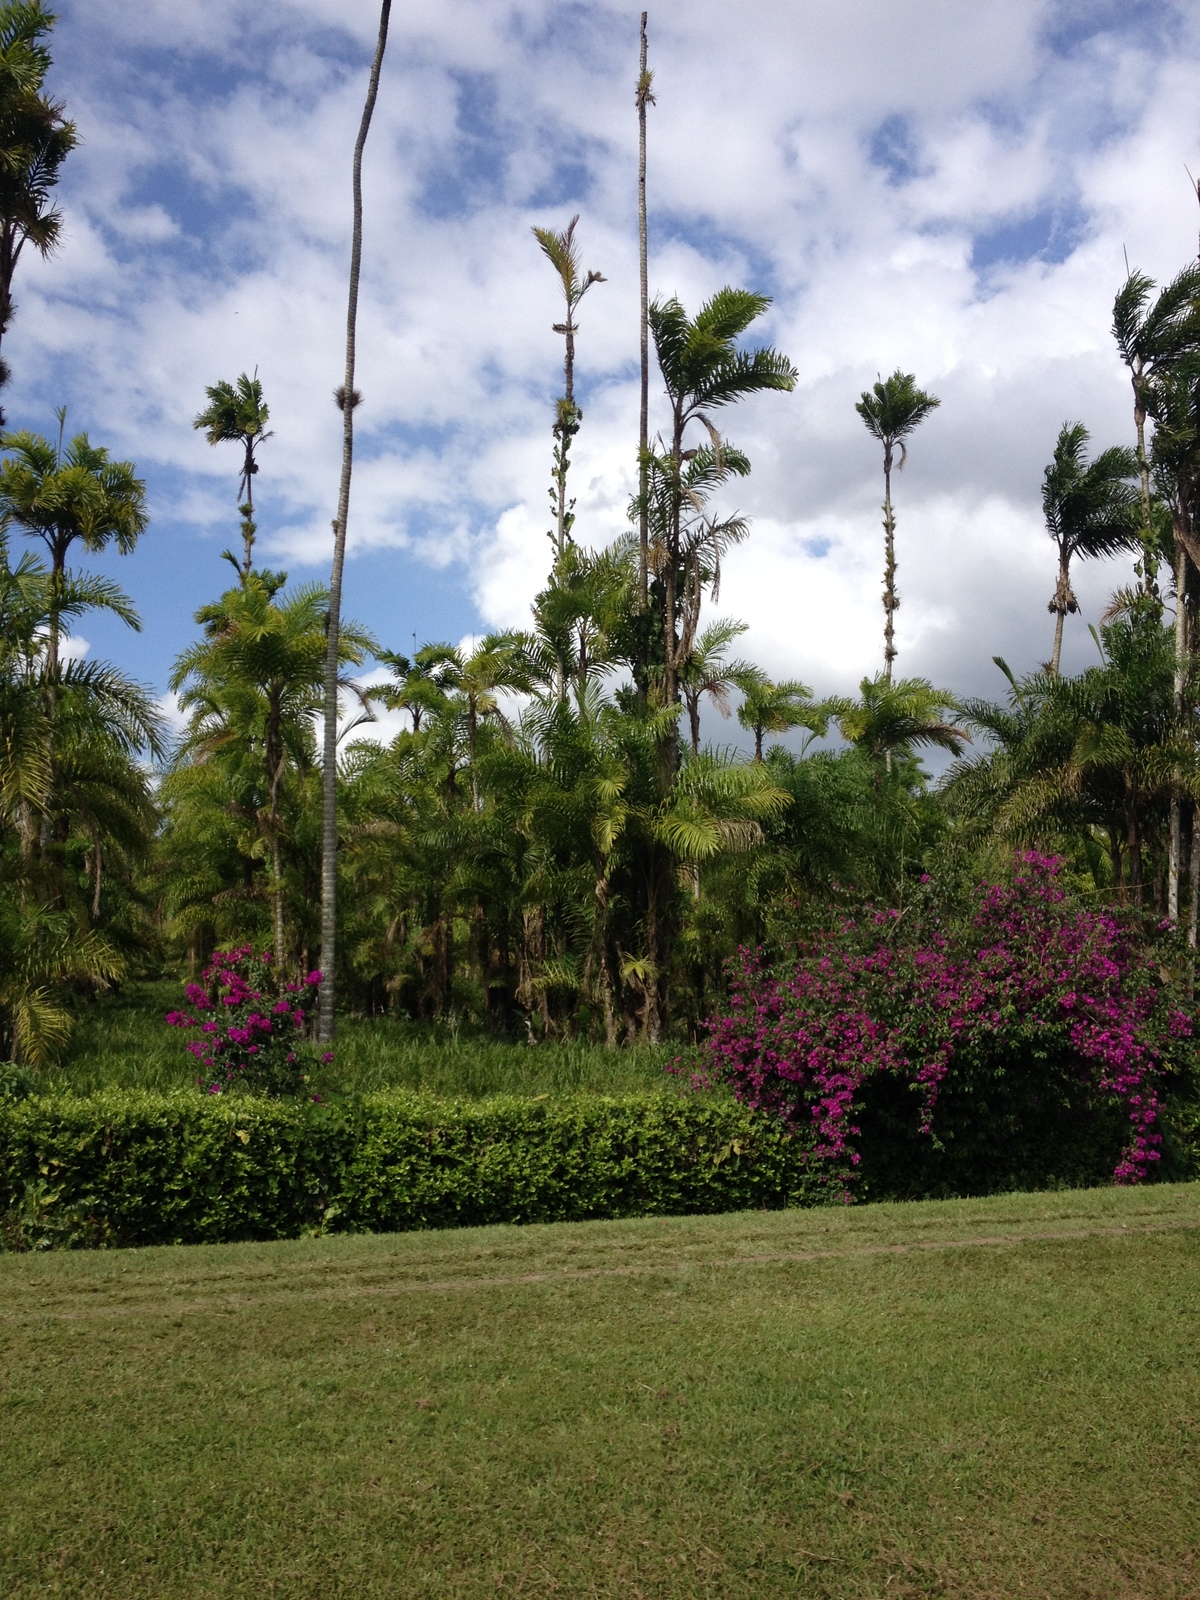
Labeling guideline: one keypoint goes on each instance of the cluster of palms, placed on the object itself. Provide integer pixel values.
(540, 846)
(549, 842)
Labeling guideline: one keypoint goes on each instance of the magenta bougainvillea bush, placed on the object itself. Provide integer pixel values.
(250, 1035)
(1026, 1013)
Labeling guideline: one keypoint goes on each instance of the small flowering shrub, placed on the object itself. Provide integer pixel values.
(1027, 1040)
(251, 1037)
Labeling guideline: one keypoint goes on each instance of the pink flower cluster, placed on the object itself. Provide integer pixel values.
(247, 1038)
(1026, 973)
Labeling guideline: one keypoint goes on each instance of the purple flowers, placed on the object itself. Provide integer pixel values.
(912, 998)
(253, 1044)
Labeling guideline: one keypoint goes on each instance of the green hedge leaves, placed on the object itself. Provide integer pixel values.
(130, 1168)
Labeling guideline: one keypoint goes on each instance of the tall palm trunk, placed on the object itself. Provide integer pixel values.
(643, 99)
(1143, 460)
(1133, 841)
(274, 754)
(348, 401)
(58, 572)
(890, 602)
(1176, 843)
(1063, 600)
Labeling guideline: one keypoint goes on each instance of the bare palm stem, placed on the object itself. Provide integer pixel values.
(348, 401)
(643, 99)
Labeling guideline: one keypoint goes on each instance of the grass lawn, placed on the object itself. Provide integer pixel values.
(1008, 1405)
(121, 1041)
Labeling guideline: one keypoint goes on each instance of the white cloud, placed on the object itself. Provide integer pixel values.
(207, 223)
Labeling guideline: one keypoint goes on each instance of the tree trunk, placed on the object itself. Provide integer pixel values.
(693, 705)
(890, 602)
(277, 873)
(329, 765)
(643, 98)
(1194, 874)
(1063, 600)
(1139, 421)
(651, 1016)
(1180, 670)
(1133, 843)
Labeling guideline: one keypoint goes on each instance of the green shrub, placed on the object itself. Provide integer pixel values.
(135, 1168)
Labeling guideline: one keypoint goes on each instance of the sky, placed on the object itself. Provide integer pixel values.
(951, 187)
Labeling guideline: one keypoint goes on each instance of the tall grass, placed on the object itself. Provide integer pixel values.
(122, 1041)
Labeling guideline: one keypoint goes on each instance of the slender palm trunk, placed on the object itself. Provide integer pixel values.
(1176, 844)
(58, 568)
(1060, 611)
(890, 602)
(651, 1015)
(1139, 421)
(1133, 841)
(643, 97)
(329, 767)
(693, 705)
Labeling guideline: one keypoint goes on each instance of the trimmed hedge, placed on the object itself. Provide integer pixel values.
(134, 1168)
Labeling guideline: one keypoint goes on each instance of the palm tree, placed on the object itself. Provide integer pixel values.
(708, 671)
(775, 707)
(346, 398)
(703, 370)
(1150, 340)
(1089, 511)
(35, 140)
(253, 686)
(1172, 399)
(90, 695)
(892, 410)
(562, 252)
(238, 414)
(643, 97)
(62, 496)
(892, 717)
(497, 665)
(422, 681)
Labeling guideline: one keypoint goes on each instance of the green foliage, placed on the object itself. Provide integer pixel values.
(137, 1168)
(35, 140)
(893, 408)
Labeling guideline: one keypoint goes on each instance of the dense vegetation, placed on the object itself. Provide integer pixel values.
(562, 844)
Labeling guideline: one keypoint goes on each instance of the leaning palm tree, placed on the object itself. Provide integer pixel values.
(237, 414)
(892, 410)
(63, 496)
(35, 140)
(346, 398)
(562, 252)
(1090, 510)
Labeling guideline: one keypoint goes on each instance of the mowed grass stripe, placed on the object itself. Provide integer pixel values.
(567, 1274)
(868, 1421)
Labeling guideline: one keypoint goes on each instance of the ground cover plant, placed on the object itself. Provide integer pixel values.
(746, 1406)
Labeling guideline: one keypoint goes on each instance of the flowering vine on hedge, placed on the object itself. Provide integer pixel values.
(910, 996)
(249, 1038)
